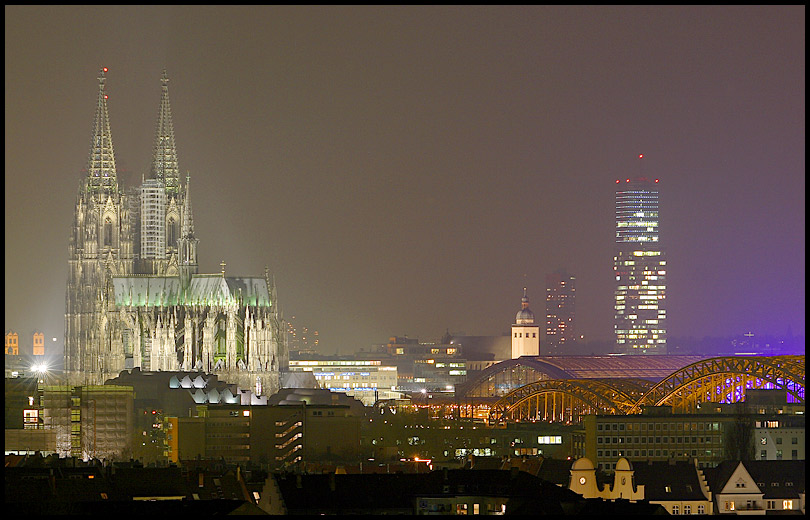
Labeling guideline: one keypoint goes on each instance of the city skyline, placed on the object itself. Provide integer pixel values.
(408, 170)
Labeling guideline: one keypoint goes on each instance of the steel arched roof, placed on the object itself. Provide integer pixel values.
(653, 368)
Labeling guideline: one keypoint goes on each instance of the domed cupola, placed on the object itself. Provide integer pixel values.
(524, 316)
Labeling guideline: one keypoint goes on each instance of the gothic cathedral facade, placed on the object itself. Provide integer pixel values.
(135, 298)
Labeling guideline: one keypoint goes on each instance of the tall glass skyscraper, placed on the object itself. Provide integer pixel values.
(640, 270)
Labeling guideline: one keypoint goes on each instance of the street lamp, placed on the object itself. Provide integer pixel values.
(41, 370)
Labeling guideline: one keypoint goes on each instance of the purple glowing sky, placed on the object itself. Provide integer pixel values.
(407, 170)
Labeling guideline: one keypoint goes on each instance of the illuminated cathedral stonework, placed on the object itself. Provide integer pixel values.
(134, 295)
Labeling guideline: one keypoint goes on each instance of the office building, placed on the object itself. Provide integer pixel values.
(425, 366)
(366, 380)
(640, 270)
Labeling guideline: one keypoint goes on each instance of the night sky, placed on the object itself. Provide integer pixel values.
(408, 170)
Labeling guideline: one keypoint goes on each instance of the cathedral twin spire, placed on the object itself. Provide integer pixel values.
(102, 178)
(101, 173)
(164, 159)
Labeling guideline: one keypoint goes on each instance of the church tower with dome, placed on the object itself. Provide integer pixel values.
(525, 334)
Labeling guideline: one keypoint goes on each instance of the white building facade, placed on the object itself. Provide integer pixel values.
(525, 333)
(365, 380)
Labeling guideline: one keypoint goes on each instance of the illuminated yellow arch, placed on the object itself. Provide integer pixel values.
(566, 400)
(725, 379)
(509, 375)
(720, 379)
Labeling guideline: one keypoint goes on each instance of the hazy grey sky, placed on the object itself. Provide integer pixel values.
(407, 170)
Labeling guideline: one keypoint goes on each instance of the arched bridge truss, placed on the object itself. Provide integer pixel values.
(717, 380)
(725, 380)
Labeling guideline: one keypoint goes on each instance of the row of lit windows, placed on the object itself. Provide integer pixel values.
(778, 440)
(629, 222)
(669, 453)
(352, 386)
(660, 426)
(659, 440)
(333, 363)
(763, 455)
(649, 288)
(638, 239)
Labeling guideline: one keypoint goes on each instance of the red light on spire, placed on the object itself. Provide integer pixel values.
(656, 180)
(628, 180)
(641, 156)
(105, 96)
(617, 181)
(105, 69)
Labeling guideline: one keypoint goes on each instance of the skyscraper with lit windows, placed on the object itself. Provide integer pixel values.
(640, 269)
(560, 312)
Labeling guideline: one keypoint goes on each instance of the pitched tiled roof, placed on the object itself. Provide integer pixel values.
(668, 480)
(156, 291)
(389, 492)
(557, 471)
(777, 478)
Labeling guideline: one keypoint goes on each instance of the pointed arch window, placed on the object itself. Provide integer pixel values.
(108, 231)
(171, 232)
(221, 338)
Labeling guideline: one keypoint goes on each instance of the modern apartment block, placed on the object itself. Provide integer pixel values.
(560, 312)
(297, 425)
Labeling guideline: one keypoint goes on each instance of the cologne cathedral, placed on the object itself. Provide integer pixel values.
(135, 298)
